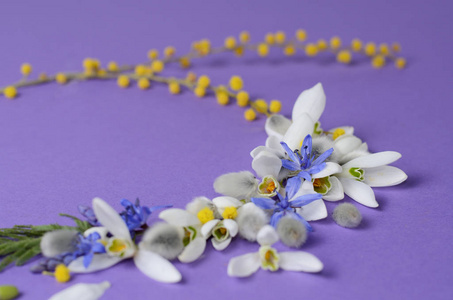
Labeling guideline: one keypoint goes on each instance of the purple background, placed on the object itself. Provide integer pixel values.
(60, 146)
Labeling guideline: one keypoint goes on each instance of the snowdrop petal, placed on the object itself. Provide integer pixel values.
(311, 102)
(313, 211)
(359, 191)
(102, 231)
(300, 261)
(330, 168)
(273, 143)
(373, 160)
(179, 217)
(384, 176)
(296, 133)
(110, 219)
(346, 144)
(336, 191)
(277, 125)
(193, 251)
(98, 263)
(244, 265)
(223, 202)
(207, 227)
(156, 267)
(82, 291)
(232, 227)
(267, 236)
(219, 246)
(267, 164)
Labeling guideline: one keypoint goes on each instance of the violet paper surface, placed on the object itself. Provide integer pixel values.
(60, 146)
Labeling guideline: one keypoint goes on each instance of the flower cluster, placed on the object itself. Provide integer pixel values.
(147, 73)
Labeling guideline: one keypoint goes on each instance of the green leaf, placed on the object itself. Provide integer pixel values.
(32, 252)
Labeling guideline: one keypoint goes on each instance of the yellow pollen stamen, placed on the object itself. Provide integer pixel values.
(222, 230)
(230, 212)
(205, 215)
(270, 186)
(337, 133)
(268, 255)
(317, 182)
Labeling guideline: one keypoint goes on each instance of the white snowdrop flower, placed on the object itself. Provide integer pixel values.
(122, 247)
(269, 259)
(347, 215)
(364, 172)
(58, 241)
(82, 291)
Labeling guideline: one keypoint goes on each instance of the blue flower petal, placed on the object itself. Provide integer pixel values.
(290, 165)
(264, 203)
(303, 221)
(323, 157)
(276, 218)
(304, 200)
(293, 186)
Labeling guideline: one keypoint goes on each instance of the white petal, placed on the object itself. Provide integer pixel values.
(82, 291)
(244, 265)
(296, 133)
(102, 231)
(232, 227)
(267, 236)
(359, 191)
(193, 251)
(156, 267)
(273, 143)
(98, 263)
(311, 102)
(206, 229)
(267, 164)
(223, 202)
(316, 210)
(348, 130)
(346, 144)
(373, 160)
(300, 261)
(219, 246)
(257, 151)
(336, 191)
(277, 125)
(179, 217)
(384, 176)
(331, 168)
(110, 219)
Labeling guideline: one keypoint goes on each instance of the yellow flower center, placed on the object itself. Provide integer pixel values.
(205, 215)
(117, 246)
(317, 182)
(230, 212)
(270, 186)
(337, 133)
(62, 273)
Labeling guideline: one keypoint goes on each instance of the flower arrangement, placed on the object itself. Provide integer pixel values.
(300, 166)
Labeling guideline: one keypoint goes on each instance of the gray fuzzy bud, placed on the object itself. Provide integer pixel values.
(163, 239)
(58, 241)
(347, 215)
(292, 233)
(250, 220)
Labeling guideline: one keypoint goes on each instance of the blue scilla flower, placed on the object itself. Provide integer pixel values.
(88, 213)
(286, 206)
(304, 163)
(87, 247)
(135, 215)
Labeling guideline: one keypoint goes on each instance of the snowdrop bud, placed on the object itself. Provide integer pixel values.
(292, 233)
(86, 291)
(240, 185)
(250, 220)
(347, 215)
(321, 144)
(58, 241)
(163, 239)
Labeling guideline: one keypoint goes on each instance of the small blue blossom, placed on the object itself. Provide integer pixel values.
(87, 247)
(88, 213)
(304, 161)
(135, 215)
(286, 206)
